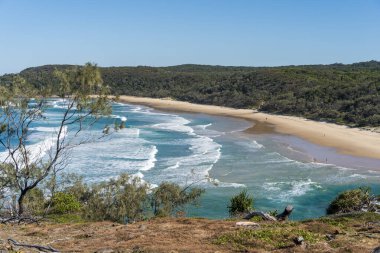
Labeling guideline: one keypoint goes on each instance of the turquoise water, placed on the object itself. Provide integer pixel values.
(184, 148)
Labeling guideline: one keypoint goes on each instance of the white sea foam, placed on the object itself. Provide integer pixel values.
(136, 109)
(140, 176)
(127, 151)
(40, 149)
(60, 104)
(271, 187)
(195, 167)
(150, 163)
(204, 126)
(299, 188)
(358, 176)
(373, 172)
(285, 191)
(173, 167)
(43, 129)
(229, 185)
(251, 145)
(177, 124)
(257, 145)
(115, 116)
(205, 153)
(205, 131)
(120, 152)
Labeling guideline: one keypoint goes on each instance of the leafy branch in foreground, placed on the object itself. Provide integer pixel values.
(24, 166)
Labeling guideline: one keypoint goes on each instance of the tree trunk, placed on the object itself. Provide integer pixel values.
(263, 215)
(21, 203)
(285, 214)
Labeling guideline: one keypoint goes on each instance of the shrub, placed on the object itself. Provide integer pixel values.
(169, 198)
(63, 203)
(240, 203)
(77, 188)
(34, 202)
(120, 200)
(350, 201)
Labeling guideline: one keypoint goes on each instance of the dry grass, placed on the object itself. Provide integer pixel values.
(352, 234)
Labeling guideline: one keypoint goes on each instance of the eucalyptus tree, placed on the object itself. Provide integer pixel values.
(24, 168)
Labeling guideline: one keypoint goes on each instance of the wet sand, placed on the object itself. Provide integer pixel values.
(348, 141)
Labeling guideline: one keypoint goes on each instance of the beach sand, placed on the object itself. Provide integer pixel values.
(349, 141)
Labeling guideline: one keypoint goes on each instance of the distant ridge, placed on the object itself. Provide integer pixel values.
(341, 93)
(189, 66)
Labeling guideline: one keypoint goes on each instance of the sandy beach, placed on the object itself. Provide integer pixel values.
(350, 141)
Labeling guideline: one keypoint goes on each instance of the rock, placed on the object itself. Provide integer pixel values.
(105, 251)
(299, 240)
(247, 224)
(376, 250)
(330, 237)
(142, 227)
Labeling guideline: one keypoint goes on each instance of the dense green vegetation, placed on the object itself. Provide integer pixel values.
(345, 94)
(353, 201)
(240, 204)
(124, 199)
(340, 233)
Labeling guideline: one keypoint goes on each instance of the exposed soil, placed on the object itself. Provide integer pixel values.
(192, 235)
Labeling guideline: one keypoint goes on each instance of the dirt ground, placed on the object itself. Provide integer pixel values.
(179, 235)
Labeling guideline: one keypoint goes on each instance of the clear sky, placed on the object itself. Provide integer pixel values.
(163, 32)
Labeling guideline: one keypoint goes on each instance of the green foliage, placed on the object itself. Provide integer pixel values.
(345, 94)
(169, 198)
(21, 171)
(273, 213)
(76, 187)
(120, 200)
(350, 201)
(241, 203)
(270, 238)
(63, 203)
(66, 218)
(34, 202)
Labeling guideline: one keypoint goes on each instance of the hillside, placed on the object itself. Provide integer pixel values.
(344, 94)
(349, 233)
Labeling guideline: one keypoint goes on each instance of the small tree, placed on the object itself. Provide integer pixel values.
(120, 200)
(169, 198)
(23, 169)
(240, 203)
(63, 202)
(34, 202)
(350, 201)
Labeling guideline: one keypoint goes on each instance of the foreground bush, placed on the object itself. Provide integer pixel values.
(34, 202)
(241, 203)
(350, 201)
(64, 203)
(120, 200)
(170, 199)
(124, 199)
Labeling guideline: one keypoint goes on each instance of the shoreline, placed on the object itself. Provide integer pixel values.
(348, 141)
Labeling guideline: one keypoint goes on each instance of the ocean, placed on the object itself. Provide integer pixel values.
(184, 148)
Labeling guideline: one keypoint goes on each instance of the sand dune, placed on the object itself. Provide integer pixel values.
(351, 141)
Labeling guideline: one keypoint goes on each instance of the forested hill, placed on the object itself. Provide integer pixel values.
(346, 94)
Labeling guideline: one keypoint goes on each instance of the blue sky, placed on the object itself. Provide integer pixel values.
(171, 32)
